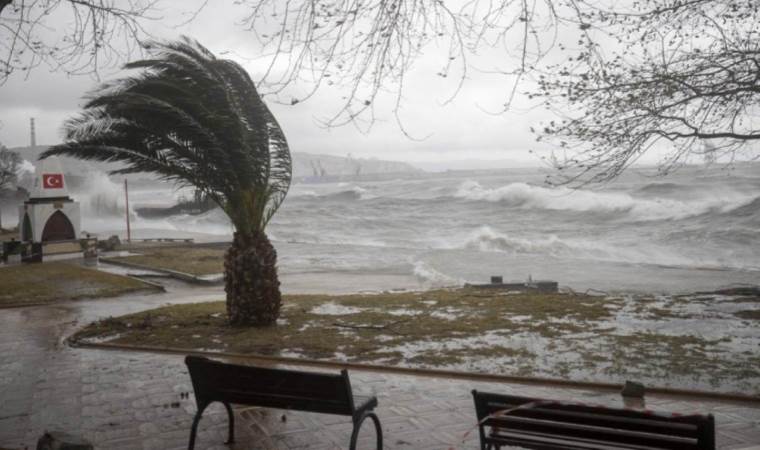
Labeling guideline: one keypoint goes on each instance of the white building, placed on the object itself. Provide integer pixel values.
(49, 214)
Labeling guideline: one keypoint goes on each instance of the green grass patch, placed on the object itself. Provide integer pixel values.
(60, 281)
(190, 259)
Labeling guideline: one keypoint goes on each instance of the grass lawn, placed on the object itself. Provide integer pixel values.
(651, 339)
(186, 258)
(57, 281)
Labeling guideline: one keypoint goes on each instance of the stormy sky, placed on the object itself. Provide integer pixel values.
(459, 134)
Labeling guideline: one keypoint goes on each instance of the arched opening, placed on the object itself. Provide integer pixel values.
(26, 229)
(58, 228)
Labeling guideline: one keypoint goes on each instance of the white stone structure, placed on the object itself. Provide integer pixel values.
(50, 214)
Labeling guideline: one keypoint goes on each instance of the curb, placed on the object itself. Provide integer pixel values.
(430, 373)
(172, 273)
(157, 286)
(152, 284)
(220, 244)
(24, 305)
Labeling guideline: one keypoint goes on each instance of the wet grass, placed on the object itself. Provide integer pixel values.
(60, 281)
(194, 260)
(375, 324)
(554, 335)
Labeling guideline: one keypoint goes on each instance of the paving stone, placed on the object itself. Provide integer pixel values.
(125, 400)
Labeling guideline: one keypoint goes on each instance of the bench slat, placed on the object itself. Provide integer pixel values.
(300, 403)
(557, 442)
(610, 436)
(648, 425)
(495, 402)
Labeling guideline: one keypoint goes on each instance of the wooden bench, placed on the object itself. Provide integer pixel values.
(214, 381)
(507, 420)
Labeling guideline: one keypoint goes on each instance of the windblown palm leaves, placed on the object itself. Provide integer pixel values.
(197, 120)
(193, 119)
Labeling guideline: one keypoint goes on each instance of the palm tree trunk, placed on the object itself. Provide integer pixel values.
(251, 282)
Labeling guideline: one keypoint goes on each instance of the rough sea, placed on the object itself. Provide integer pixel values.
(697, 229)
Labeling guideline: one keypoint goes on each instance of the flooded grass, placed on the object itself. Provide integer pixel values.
(657, 340)
(190, 259)
(60, 281)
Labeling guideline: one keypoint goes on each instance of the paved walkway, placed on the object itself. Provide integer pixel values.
(125, 400)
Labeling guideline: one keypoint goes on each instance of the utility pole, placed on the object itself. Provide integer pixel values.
(33, 136)
(126, 197)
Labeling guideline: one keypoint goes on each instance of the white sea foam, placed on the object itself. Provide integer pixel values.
(100, 196)
(334, 309)
(403, 312)
(523, 195)
(430, 278)
(302, 193)
(347, 193)
(25, 168)
(486, 239)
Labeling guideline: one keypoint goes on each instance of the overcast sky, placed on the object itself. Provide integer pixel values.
(462, 130)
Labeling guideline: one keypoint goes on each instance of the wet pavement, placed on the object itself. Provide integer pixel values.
(129, 400)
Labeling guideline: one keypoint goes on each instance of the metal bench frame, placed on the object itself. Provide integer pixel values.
(214, 381)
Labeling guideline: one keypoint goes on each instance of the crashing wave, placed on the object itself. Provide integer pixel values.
(353, 193)
(431, 278)
(488, 240)
(526, 196)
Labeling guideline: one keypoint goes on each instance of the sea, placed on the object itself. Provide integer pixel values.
(697, 229)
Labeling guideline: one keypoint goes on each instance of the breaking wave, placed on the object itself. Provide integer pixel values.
(748, 209)
(430, 278)
(352, 193)
(101, 197)
(487, 240)
(526, 196)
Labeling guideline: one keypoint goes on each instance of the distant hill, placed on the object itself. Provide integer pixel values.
(315, 167)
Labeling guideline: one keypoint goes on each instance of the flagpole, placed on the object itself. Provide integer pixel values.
(126, 196)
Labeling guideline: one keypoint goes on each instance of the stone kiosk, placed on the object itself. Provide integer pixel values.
(49, 215)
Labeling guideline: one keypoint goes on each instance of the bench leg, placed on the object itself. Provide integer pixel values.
(231, 421)
(194, 428)
(357, 426)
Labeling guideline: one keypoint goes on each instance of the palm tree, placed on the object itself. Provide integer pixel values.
(198, 121)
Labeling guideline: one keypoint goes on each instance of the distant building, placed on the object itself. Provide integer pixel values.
(49, 214)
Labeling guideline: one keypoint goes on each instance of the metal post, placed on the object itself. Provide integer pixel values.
(126, 196)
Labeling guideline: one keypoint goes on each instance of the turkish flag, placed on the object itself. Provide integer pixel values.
(52, 180)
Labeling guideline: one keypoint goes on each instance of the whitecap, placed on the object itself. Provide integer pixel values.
(527, 196)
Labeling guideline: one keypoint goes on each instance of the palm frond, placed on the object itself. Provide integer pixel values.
(192, 119)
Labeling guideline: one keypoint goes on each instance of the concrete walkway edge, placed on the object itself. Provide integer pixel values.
(436, 373)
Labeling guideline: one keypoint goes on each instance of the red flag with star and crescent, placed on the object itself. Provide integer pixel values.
(52, 180)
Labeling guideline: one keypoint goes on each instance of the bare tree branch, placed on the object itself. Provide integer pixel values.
(367, 49)
(98, 34)
(684, 77)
